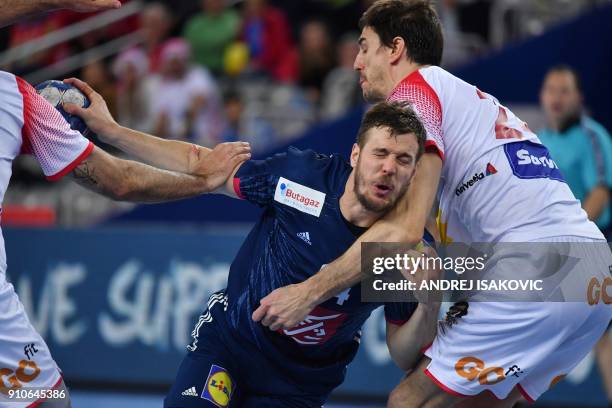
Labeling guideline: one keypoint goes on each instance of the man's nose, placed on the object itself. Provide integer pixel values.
(389, 165)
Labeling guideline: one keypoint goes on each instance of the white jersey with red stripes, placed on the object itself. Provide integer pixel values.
(28, 124)
(498, 181)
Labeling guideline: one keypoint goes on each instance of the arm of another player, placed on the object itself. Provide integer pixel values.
(13, 10)
(406, 342)
(285, 307)
(127, 180)
(217, 165)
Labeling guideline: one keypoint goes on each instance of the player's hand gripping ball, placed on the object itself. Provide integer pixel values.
(57, 93)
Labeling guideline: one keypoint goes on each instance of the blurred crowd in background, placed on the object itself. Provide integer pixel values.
(262, 71)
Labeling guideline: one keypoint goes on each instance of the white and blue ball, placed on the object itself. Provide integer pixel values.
(57, 93)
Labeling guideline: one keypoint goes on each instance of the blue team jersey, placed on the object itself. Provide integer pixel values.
(300, 231)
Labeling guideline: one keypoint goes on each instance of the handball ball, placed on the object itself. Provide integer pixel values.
(57, 93)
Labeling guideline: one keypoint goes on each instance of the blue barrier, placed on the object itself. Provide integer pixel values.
(118, 305)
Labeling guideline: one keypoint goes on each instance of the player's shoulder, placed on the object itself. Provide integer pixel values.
(11, 98)
(9, 84)
(309, 161)
(310, 167)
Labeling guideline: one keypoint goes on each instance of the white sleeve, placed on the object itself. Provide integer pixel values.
(426, 103)
(48, 136)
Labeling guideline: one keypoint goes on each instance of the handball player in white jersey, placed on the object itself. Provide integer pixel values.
(30, 125)
(499, 350)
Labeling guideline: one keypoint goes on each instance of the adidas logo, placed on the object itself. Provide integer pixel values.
(489, 171)
(191, 392)
(304, 236)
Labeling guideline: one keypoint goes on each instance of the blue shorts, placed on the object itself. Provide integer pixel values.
(222, 372)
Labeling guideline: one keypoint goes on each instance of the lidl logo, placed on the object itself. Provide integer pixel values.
(219, 387)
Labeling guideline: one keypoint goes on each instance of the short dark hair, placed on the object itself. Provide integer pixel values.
(570, 70)
(415, 21)
(398, 117)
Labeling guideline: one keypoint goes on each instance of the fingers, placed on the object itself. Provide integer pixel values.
(268, 320)
(112, 4)
(277, 326)
(259, 313)
(82, 86)
(235, 152)
(73, 109)
(106, 4)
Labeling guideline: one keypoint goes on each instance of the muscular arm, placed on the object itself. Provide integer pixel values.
(285, 307)
(131, 181)
(13, 10)
(596, 201)
(165, 154)
(217, 165)
(405, 342)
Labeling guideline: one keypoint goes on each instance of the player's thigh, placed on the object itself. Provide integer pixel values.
(570, 353)
(25, 359)
(498, 344)
(204, 380)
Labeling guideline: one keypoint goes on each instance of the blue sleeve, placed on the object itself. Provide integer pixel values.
(597, 166)
(399, 313)
(256, 180)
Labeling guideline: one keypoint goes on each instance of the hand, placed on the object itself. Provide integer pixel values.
(431, 299)
(285, 307)
(218, 164)
(86, 6)
(96, 116)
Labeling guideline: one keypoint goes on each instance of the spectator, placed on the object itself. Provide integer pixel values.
(341, 90)
(243, 127)
(186, 102)
(134, 94)
(317, 58)
(155, 22)
(211, 32)
(580, 146)
(95, 73)
(266, 31)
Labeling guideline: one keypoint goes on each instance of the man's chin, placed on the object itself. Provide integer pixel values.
(372, 97)
(378, 205)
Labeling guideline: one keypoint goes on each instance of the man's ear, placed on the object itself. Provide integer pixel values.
(398, 50)
(355, 155)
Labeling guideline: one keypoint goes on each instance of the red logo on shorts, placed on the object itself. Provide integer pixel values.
(318, 327)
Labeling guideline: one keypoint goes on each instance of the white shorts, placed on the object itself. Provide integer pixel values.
(529, 345)
(25, 360)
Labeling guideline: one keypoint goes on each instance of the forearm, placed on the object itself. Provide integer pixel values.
(345, 271)
(596, 202)
(405, 343)
(165, 154)
(11, 10)
(126, 180)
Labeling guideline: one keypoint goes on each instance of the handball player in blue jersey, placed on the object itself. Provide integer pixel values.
(315, 207)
